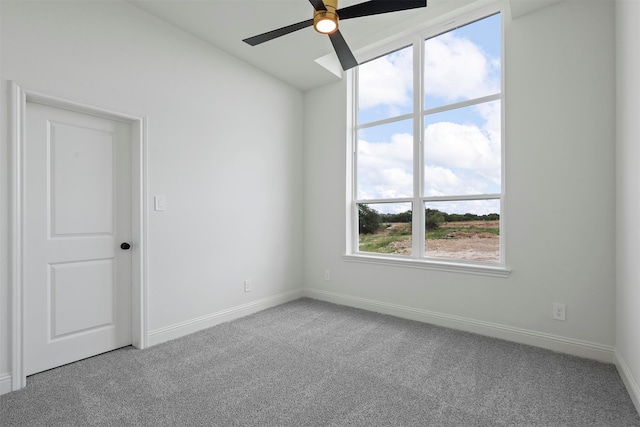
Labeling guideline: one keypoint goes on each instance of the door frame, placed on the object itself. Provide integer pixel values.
(18, 100)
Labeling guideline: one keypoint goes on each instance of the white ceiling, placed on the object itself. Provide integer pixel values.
(292, 58)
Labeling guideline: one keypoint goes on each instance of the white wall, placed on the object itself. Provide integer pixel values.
(5, 380)
(560, 231)
(628, 195)
(224, 147)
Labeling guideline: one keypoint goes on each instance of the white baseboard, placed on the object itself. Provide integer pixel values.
(5, 383)
(190, 326)
(557, 343)
(628, 380)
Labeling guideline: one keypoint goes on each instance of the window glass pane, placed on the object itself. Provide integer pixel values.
(385, 161)
(463, 63)
(384, 228)
(463, 230)
(462, 151)
(385, 86)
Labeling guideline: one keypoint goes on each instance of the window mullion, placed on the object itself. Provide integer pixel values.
(418, 234)
(351, 157)
(384, 121)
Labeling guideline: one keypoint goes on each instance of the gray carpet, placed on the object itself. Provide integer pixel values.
(310, 363)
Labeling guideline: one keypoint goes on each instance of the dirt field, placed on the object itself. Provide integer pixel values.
(460, 240)
(472, 248)
(469, 245)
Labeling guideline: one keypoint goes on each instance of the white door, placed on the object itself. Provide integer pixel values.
(77, 212)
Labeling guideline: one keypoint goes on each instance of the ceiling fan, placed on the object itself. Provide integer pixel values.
(325, 20)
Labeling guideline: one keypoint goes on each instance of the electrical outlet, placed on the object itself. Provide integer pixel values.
(247, 285)
(559, 311)
(327, 275)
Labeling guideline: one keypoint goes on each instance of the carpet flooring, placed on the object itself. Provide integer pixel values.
(311, 363)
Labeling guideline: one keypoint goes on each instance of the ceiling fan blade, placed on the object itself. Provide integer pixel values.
(318, 4)
(376, 7)
(265, 37)
(347, 60)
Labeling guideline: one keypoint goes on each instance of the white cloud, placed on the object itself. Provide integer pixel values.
(491, 112)
(441, 181)
(463, 147)
(471, 150)
(457, 145)
(385, 168)
(387, 81)
(456, 69)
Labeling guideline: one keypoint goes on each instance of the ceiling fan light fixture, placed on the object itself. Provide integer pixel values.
(326, 24)
(326, 21)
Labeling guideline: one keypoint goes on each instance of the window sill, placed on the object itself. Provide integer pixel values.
(448, 266)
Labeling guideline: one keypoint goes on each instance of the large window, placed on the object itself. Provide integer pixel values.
(428, 134)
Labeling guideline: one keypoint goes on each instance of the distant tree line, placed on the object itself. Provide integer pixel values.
(371, 220)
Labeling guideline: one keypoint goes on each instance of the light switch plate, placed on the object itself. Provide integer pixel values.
(160, 203)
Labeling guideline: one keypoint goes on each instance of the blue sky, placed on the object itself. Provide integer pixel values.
(462, 146)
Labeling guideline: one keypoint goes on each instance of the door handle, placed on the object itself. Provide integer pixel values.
(125, 246)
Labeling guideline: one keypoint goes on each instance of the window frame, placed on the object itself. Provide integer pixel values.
(416, 38)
